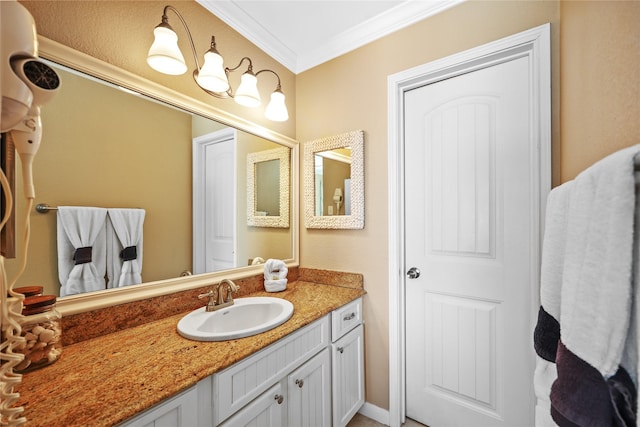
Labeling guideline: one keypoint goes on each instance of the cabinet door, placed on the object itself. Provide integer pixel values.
(348, 376)
(309, 393)
(178, 411)
(267, 410)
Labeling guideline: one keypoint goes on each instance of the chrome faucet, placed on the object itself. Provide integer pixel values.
(216, 291)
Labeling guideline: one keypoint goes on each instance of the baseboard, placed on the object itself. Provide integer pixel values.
(375, 413)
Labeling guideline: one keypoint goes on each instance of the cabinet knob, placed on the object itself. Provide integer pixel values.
(340, 349)
(300, 383)
(279, 398)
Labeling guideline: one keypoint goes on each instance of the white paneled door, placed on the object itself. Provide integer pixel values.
(469, 214)
(214, 201)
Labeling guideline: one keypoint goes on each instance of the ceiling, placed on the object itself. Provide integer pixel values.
(301, 34)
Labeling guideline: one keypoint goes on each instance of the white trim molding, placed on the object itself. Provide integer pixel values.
(374, 412)
(534, 44)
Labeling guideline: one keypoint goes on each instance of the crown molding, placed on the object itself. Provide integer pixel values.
(394, 19)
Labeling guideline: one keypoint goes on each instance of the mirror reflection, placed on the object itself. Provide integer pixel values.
(107, 147)
(267, 175)
(333, 182)
(267, 188)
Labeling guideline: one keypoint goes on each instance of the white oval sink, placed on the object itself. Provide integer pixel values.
(247, 316)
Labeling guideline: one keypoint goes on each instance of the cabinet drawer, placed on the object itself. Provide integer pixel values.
(346, 318)
(237, 385)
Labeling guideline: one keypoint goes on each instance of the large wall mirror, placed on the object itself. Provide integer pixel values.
(334, 181)
(95, 153)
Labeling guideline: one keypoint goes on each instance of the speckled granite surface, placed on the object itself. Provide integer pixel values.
(84, 326)
(105, 380)
(330, 277)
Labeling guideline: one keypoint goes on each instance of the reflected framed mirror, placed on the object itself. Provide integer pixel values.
(334, 181)
(268, 188)
(127, 156)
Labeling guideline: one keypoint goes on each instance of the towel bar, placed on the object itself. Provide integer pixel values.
(43, 208)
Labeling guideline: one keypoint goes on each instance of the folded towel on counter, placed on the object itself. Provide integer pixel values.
(124, 246)
(81, 241)
(257, 261)
(275, 275)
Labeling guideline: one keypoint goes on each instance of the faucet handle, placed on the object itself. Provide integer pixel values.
(209, 294)
(212, 300)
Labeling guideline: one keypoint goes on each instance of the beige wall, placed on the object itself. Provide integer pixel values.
(594, 70)
(595, 110)
(350, 93)
(87, 162)
(121, 32)
(600, 81)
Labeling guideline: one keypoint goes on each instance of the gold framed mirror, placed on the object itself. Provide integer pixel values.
(334, 181)
(65, 56)
(268, 188)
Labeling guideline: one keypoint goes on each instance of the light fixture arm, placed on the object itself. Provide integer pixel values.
(279, 87)
(165, 23)
(249, 69)
(212, 77)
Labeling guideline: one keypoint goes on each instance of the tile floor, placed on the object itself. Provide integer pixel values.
(361, 421)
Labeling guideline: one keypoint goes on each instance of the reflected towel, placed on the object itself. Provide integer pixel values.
(275, 275)
(81, 227)
(124, 246)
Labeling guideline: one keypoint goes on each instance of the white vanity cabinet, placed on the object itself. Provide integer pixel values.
(311, 377)
(177, 411)
(239, 384)
(302, 399)
(309, 392)
(347, 354)
(267, 410)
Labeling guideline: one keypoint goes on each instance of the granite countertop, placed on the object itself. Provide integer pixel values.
(106, 380)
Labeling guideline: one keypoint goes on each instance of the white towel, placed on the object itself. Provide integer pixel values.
(553, 249)
(275, 275)
(124, 230)
(596, 287)
(80, 227)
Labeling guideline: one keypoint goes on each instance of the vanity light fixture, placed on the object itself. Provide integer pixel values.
(165, 56)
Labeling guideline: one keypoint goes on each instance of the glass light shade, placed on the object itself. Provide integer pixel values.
(277, 110)
(247, 93)
(212, 76)
(164, 55)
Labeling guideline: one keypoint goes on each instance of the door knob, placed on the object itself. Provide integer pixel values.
(413, 273)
